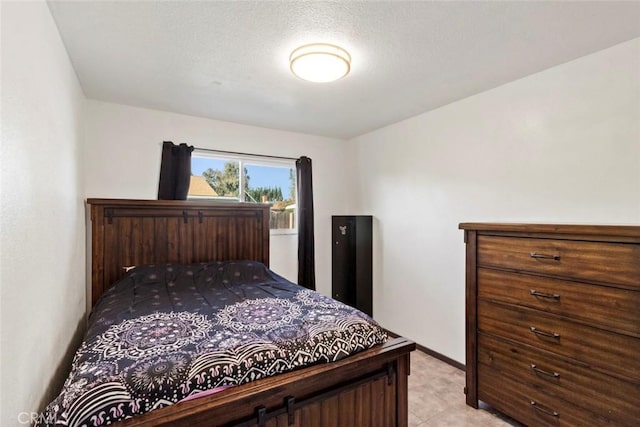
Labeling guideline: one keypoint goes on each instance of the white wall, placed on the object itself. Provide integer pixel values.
(42, 217)
(562, 145)
(122, 159)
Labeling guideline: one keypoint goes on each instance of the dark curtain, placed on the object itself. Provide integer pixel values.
(306, 254)
(175, 171)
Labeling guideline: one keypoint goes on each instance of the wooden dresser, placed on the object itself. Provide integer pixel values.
(553, 322)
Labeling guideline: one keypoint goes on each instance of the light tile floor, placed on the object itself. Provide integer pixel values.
(436, 397)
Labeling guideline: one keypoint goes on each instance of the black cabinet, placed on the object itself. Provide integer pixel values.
(351, 261)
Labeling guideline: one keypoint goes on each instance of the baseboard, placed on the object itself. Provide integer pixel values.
(432, 353)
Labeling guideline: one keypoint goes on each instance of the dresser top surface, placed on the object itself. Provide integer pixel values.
(632, 231)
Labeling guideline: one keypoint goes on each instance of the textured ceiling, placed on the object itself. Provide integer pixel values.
(228, 60)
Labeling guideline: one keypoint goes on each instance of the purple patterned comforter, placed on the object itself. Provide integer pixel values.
(167, 332)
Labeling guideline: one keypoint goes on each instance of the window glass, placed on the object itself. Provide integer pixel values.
(221, 175)
(263, 180)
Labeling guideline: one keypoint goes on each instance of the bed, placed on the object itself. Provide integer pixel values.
(162, 267)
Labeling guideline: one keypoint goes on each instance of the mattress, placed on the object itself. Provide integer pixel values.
(166, 333)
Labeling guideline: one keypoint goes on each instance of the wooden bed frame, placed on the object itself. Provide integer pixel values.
(366, 389)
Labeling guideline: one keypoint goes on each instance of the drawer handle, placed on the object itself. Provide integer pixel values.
(544, 334)
(543, 372)
(544, 256)
(544, 411)
(543, 295)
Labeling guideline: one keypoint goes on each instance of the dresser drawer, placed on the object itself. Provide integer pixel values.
(613, 263)
(531, 406)
(607, 352)
(601, 394)
(605, 307)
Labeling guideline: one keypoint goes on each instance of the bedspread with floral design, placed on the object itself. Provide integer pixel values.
(168, 332)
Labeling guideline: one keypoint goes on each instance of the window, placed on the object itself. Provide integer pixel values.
(216, 176)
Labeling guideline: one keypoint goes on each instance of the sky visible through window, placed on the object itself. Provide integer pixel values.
(259, 176)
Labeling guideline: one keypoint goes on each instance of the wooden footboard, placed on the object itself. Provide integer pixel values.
(366, 389)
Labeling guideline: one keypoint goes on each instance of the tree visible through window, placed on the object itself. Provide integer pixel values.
(226, 182)
(263, 180)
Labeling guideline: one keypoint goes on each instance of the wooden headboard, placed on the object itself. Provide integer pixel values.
(137, 232)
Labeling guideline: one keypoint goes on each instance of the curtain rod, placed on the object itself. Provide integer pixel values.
(245, 154)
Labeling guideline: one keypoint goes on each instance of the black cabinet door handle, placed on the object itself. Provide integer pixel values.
(543, 410)
(554, 257)
(543, 295)
(543, 372)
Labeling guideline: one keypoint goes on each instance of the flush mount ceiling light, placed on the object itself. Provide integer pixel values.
(320, 62)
